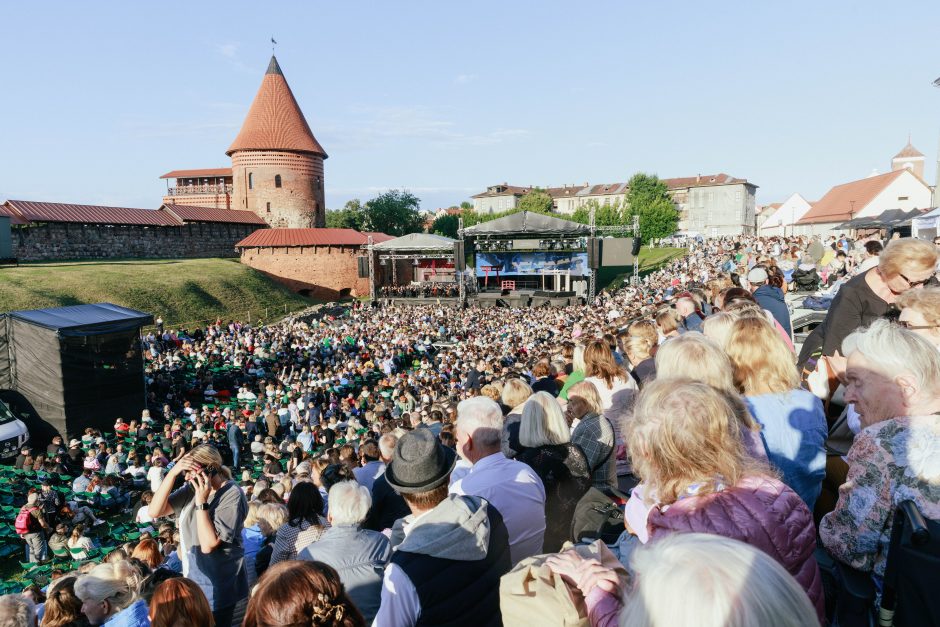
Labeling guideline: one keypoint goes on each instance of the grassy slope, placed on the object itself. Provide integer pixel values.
(180, 290)
(650, 259)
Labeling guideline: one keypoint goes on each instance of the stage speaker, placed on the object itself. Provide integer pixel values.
(637, 242)
(460, 260)
(363, 263)
(594, 253)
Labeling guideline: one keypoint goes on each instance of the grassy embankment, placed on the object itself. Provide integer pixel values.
(183, 291)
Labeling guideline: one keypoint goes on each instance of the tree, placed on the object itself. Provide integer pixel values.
(394, 213)
(351, 216)
(537, 201)
(607, 214)
(649, 197)
(466, 205)
(446, 225)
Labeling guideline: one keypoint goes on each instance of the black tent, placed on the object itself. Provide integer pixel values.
(68, 368)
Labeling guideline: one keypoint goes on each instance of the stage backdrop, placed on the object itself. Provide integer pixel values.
(533, 263)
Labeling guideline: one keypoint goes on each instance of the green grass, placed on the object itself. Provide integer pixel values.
(650, 259)
(183, 291)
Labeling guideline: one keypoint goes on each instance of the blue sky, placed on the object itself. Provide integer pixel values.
(98, 99)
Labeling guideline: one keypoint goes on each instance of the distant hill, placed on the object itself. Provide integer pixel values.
(184, 292)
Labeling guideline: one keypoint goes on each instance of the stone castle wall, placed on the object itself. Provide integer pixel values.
(55, 241)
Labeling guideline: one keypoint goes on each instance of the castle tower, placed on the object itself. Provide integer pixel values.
(277, 163)
(909, 158)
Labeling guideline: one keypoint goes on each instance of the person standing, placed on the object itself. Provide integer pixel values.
(236, 439)
(31, 525)
(210, 511)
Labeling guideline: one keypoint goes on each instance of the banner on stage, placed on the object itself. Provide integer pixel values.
(532, 263)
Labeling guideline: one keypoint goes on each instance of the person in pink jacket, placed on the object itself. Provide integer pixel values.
(686, 446)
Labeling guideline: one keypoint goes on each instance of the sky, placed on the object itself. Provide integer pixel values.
(99, 99)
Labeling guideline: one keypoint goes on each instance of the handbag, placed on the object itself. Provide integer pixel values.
(531, 594)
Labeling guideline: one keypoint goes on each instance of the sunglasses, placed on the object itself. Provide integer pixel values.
(915, 283)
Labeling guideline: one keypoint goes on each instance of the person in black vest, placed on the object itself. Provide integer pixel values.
(452, 550)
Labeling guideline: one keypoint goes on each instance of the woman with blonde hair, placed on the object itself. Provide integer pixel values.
(639, 352)
(792, 420)
(717, 327)
(667, 323)
(561, 465)
(906, 264)
(920, 312)
(515, 394)
(685, 443)
(108, 593)
(210, 510)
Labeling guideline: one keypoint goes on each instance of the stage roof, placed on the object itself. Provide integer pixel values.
(529, 223)
(85, 319)
(417, 241)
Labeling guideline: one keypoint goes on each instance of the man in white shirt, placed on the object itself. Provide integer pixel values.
(372, 466)
(512, 487)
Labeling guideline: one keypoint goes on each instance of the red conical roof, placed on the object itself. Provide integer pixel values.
(275, 121)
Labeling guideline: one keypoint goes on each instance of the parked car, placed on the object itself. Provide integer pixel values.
(13, 433)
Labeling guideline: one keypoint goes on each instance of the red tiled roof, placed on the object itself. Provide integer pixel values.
(847, 201)
(15, 218)
(278, 238)
(908, 152)
(378, 238)
(275, 121)
(90, 214)
(210, 214)
(198, 174)
(702, 180)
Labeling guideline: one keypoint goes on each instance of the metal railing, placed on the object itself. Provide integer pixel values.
(189, 190)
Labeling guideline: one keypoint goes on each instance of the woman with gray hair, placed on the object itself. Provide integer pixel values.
(893, 378)
(560, 465)
(358, 555)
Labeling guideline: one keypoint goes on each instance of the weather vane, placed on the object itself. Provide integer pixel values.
(273, 43)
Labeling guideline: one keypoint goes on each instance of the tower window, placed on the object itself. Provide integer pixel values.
(251, 181)
(277, 180)
(269, 207)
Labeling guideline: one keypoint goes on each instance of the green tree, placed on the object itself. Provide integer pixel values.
(446, 225)
(394, 213)
(351, 216)
(466, 205)
(607, 214)
(537, 201)
(649, 197)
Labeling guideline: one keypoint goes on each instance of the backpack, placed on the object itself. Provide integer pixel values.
(596, 516)
(25, 521)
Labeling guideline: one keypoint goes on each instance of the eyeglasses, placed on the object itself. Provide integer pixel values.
(912, 327)
(915, 283)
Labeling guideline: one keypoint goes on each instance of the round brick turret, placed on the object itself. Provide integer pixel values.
(277, 163)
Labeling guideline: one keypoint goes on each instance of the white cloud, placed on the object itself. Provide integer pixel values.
(463, 79)
(365, 127)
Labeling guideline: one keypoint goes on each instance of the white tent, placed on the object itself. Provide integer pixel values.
(927, 225)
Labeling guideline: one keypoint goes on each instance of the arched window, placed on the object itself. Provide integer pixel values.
(277, 180)
(251, 181)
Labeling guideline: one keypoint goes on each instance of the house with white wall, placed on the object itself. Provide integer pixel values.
(785, 215)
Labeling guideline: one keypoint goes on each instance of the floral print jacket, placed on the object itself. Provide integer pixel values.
(889, 462)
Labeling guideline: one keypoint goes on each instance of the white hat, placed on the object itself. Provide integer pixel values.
(74, 443)
(757, 275)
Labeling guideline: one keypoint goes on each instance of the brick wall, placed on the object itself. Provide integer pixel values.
(297, 203)
(327, 272)
(55, 241)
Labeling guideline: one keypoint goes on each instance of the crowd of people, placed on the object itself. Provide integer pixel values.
(427, 289)
(425, 465)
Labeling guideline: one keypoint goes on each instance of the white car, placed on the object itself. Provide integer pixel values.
(13, 433)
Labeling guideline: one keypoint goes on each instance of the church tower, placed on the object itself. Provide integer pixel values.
(909, 158)
(277, 163)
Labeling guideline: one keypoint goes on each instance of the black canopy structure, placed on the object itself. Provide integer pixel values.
(525, 222)
(67, 368)
(891, 218)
